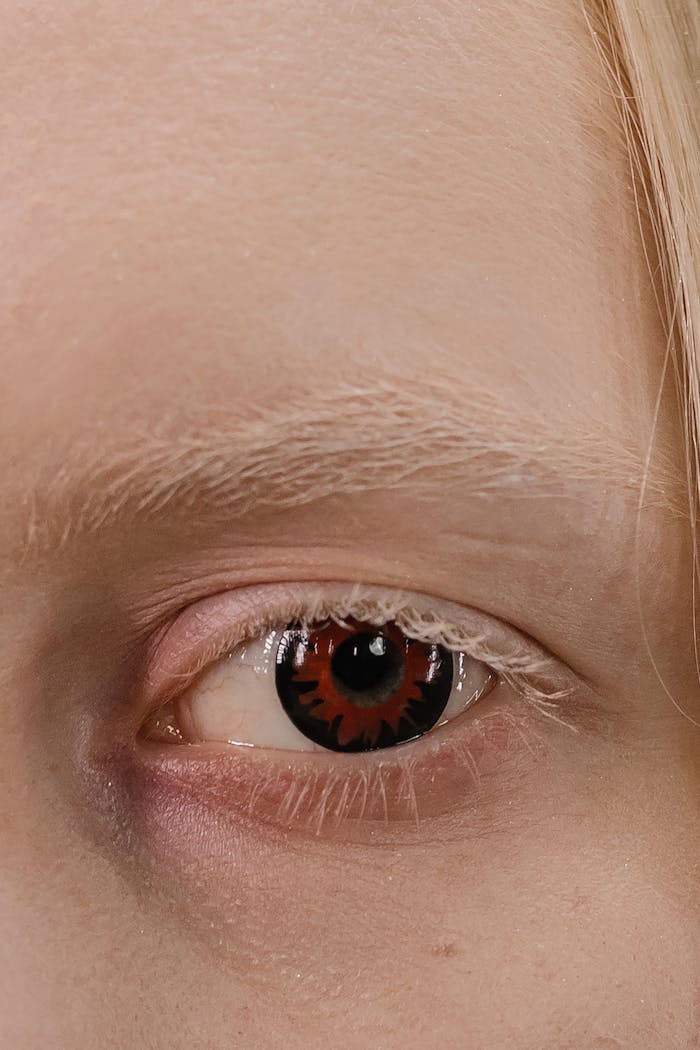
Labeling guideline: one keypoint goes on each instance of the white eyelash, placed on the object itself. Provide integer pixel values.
(368, 790)
(528, 673)
(371, 791)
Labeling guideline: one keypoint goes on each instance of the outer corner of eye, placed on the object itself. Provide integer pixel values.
(344, 687)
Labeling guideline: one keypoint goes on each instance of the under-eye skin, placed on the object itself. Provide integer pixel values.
(223, 724)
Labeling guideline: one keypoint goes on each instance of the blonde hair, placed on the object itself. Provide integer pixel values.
(652, 52)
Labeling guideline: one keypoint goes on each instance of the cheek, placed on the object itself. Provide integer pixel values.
(553, 937)
(544, 905)
(536, 928)
(272, 899)
(572, 925)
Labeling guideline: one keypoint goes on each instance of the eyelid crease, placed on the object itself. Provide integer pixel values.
(535, 676)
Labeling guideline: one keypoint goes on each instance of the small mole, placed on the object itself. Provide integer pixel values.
(445, 950)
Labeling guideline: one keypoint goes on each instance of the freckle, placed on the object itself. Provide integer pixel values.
(445, 950)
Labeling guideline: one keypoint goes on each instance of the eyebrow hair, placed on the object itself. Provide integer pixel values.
(388, 436)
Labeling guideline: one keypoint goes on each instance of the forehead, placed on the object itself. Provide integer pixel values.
(377, 239)
(244, 185)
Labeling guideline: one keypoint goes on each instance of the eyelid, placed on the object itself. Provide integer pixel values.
(388, 794)
(208, 629)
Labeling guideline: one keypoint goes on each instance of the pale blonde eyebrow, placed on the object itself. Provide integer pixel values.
(389, 436)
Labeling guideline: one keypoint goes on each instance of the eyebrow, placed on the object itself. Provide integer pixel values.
(419, 438)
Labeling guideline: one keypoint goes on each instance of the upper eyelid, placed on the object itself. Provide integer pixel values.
(531, 671)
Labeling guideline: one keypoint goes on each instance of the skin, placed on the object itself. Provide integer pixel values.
(385, 261)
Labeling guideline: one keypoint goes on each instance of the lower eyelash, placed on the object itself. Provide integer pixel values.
(317, 796)
(360, 793)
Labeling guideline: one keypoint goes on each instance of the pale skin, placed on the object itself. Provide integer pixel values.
(298, 293)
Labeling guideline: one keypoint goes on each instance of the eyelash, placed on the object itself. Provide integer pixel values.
(322, 791)
(528, 673)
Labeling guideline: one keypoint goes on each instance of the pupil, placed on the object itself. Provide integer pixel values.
(368, 664)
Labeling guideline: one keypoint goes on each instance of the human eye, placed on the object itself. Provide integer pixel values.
(311, 705)
(339, 684)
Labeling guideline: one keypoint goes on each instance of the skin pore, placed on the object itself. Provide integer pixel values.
(304, 292)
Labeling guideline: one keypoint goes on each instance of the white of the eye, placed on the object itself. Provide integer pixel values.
(471, 680)
(236, 701)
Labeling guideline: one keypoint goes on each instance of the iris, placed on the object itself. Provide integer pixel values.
(356, 687)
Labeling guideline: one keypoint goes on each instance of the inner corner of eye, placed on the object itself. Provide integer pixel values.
(162, 725)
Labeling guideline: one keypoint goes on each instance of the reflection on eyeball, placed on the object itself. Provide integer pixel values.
(341, 686)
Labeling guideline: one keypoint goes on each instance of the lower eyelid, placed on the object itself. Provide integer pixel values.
(322, 793)
(483, 752)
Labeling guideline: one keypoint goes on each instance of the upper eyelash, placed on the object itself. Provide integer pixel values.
(528, 673)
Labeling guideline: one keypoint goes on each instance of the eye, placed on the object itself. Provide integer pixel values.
(332, 708)
(348, 685)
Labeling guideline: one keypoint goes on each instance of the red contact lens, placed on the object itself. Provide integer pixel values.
(358, 687)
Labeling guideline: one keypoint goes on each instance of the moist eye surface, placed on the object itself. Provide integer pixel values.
(356, 687)
(323, 667)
